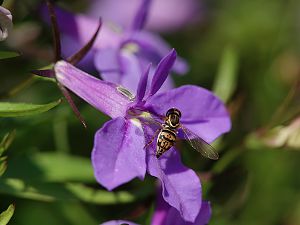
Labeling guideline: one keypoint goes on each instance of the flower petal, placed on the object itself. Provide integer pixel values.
(106, 60)
(161, 16)
(81, 27)
(141, 15)
(202, 112)
(118, 222)
(162, 72)
(118, 155)
(167, 215)
(142, 86)
(100, 94)
(153, 47)
(5, 23)
(126, 72)
(181, 186)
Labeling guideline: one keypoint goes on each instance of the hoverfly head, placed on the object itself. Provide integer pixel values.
(173, 115)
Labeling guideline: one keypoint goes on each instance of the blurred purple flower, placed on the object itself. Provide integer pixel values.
(5, 23)
(118, 222)
(161, 15)
(119, 55)
(119, 156)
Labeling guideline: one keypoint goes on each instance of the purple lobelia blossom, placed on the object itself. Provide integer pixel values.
(120, 55)
(119, 155)
(118, 222)
(5, 23)
(166, 215)
(161, 15)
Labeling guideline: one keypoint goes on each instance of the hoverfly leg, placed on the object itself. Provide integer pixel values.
(152, 139)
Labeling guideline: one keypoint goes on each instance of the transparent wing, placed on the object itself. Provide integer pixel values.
(199, 144)
(149, 121)
(148, 118)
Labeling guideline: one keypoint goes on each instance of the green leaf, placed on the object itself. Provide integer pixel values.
(8, 109)
(7, 55)
(49, 192)
(6, 215)
(91, 195)
(3, 166)
(51, 167)
(6, 141)
(226, 82)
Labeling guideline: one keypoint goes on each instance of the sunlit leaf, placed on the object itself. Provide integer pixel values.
(6, 141)
(226, 79)
(7, 55)
(3, 166)
(92, 195)
(9, 109)
(49, 192)
(6, 215)
(54, 167)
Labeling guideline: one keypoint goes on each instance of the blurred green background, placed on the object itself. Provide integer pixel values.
(248, 52)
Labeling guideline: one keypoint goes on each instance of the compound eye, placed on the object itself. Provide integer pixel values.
(174, 119)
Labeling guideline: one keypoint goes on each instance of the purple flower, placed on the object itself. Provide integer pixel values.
(119, 155)
(118, 222)
(161, 15)
(119, 55)
(166, 215)
(5, 23)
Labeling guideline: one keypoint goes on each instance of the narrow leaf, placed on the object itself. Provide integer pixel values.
(6, 141)
(9, 109)
(226, 80)
(7, 214)
(49, 192)
(51, 167)
(7, 54)
(3, 166)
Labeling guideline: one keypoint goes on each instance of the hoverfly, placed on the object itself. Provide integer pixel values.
(167, 136)
(168, 131)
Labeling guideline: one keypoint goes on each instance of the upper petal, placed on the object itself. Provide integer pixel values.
(100, 94)
(122, 67)
(141, 15)
(161, 14)
(153, 47)
(162, 71)
(181, 186)
(118, 155)
(142, 85)
(81, 27)
(202, 112)
(106, 60)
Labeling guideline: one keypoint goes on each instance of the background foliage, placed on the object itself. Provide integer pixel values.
(248, 52)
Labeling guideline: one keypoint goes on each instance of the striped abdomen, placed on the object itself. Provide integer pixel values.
(165, 140)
